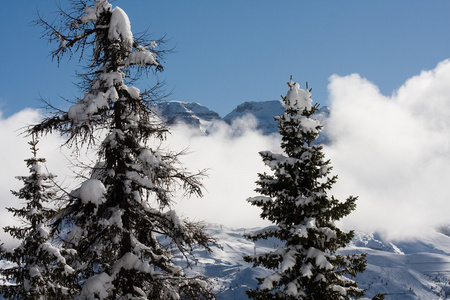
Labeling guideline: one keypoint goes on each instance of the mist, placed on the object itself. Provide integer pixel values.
(230, 153)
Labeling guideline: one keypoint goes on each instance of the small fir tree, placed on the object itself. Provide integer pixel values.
(123, 226)
(37, 269)
(295, 199)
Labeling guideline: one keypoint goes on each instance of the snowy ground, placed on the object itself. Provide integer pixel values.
(403, 270)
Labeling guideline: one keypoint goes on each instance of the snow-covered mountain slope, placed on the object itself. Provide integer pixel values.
(403, 270)
(413, 270)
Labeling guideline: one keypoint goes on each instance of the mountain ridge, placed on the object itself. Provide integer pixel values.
(202, 118)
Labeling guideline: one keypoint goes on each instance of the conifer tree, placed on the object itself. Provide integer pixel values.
(295, 199)
(123, 226)
(37, 269)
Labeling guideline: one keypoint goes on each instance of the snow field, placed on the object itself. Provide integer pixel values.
(407, 270)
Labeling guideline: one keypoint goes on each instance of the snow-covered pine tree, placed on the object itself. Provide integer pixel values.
(123, 226)
(295, 199)
(37, 269)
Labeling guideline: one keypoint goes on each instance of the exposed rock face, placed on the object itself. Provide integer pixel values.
(189, 113)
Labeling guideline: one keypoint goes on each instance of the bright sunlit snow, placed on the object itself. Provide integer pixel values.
(297, 97)
(120, 28)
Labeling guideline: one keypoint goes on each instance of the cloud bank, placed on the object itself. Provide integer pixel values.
(391, 151)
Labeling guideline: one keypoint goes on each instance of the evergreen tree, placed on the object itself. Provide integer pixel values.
(39, 270)
(123, 226)
(295, 199)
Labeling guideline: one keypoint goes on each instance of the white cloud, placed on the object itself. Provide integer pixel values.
(393, 152)
(233, 163)
(230, 153)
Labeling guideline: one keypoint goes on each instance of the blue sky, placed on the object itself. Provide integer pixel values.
(228, 52)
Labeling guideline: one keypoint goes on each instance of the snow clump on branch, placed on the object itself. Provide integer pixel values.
(91, 191)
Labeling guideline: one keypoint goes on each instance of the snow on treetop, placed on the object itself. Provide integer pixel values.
(297, 97)
(120, 28)
(91, 14)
